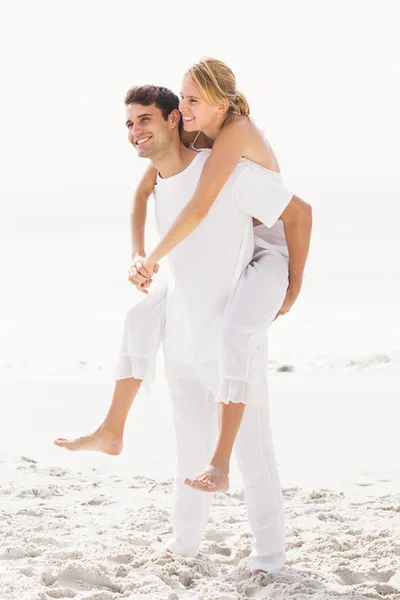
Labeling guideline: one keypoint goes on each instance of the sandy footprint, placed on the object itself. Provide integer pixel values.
(61, 593)
(349, 577)
(88, 576)
(382, 576)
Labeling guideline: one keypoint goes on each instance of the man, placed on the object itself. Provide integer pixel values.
(205, 268)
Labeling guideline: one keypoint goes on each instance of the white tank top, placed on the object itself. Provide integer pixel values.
(271, 238)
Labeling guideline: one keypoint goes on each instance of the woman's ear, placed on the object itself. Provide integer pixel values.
(223, 107)
(174, 118)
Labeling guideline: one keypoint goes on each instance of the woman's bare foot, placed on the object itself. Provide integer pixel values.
(213, 479)
(102, 440)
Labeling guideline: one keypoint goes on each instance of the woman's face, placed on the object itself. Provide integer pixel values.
(197, 114)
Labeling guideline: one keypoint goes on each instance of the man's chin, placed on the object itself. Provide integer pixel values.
(143, 152)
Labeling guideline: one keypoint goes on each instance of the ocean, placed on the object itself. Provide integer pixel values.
(65, 291)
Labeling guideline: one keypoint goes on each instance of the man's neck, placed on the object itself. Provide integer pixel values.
(175, 160)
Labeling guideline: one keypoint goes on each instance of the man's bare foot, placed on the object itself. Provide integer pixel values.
(213, 479)
(102, 440)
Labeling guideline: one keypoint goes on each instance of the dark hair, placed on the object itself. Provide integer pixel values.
(146, 95)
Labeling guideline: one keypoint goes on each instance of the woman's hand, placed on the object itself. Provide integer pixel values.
(148, 268)
(290, 298)
(139, 275)
(135, 277)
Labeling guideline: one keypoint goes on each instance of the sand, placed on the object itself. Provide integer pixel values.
(88, 535)
(89, 526)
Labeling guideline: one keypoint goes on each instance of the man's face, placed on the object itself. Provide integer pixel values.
(148, 132)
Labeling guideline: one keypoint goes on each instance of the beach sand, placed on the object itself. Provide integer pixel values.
(92, 527)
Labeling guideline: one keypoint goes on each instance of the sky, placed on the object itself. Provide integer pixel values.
(322, 79)
(323, 82)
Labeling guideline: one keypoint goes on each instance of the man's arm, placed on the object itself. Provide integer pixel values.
(265, 197)
(137, 227)
(139, 211)
(297, 222)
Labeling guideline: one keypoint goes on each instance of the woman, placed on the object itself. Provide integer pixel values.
(210, 104)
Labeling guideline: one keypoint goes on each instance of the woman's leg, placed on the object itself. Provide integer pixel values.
(144, 326)
(215, 478)
(257, 300)
(108, 437)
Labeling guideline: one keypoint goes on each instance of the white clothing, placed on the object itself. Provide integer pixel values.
(250, 312)
(206, 267)
(195, 418)
(252, 306)
(271, 237)
(247, 317)
(211, 281)
(143, 332)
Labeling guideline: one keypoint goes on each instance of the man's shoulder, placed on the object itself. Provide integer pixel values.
(199, 158)
(240, 167)
(202, 154)
(251, 178)
(246, 174)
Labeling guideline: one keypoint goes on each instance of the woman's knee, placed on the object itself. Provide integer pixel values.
(145, 313)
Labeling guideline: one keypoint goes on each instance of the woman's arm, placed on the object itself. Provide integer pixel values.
(139, 211)
(229, 147)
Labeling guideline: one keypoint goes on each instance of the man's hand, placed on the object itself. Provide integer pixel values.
(138, 276)
(141, 283)
(291, 297)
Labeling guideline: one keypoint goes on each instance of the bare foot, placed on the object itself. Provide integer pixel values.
(102, 440)
(258, 571)
(212, 479)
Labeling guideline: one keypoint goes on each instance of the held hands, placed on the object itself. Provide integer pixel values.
(149, 268)
(141, 273)
(290, 298)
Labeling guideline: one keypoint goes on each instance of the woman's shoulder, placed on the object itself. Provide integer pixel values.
(253, 141)
(244, 125)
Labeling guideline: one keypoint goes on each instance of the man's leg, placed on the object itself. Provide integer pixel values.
(250, 312)
(195, 416)
(263, 494)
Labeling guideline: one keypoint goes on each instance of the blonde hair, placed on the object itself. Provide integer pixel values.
(217, 83)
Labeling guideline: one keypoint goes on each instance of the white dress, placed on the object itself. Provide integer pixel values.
(260, 280)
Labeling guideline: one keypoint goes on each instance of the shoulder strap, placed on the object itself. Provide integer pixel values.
(195, 140)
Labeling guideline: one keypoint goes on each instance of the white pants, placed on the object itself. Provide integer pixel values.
(195, 415)
(250, 311)
(143, 331)
(240, 376)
